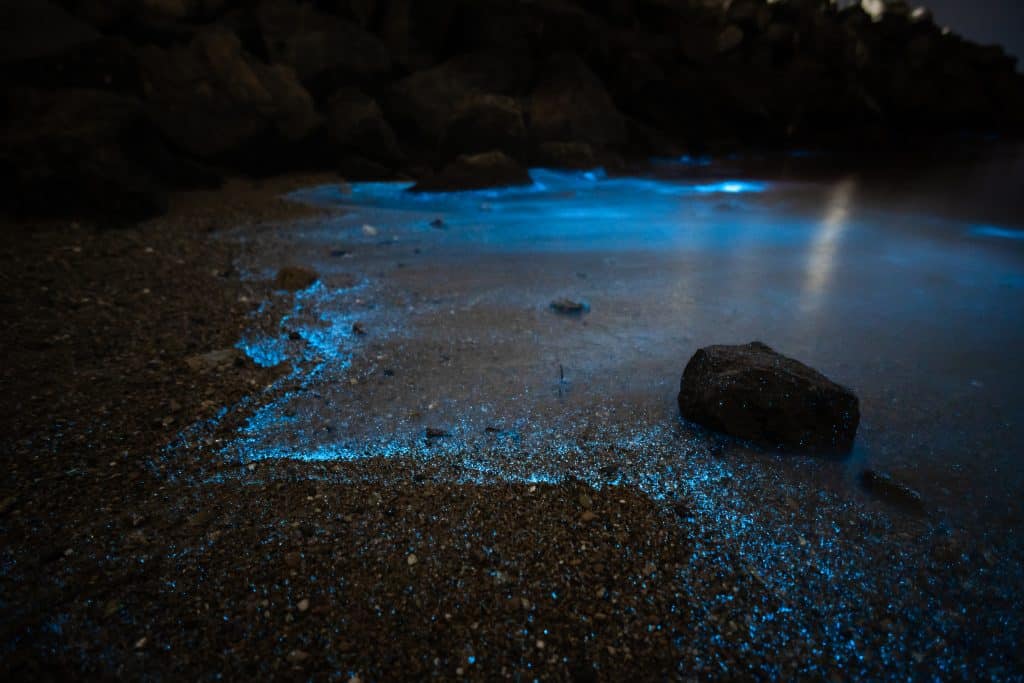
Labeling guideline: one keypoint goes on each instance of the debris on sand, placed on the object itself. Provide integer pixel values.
(884, 486)
(215, 361)
(295, 278)
(754, 393)
(569, 307)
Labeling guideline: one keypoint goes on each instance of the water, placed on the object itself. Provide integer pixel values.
(920, 313)
(907, 287)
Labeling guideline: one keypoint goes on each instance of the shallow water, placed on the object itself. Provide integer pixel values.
(907, 287)
(921, 314)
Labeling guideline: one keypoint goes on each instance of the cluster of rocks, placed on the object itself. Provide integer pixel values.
(109, 104)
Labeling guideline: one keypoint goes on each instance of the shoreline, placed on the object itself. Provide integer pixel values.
(380, 569)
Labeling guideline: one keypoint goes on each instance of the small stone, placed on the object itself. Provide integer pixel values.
(297, 656)
(411, 559)
(886, 487)
(569, 307)
(294, 278)
(369, 230)
(140, 643)
(303, 604)
(588, 516)
(435, 433)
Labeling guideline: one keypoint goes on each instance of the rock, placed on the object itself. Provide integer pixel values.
(887, 488)
(570, 104)
(355, 123)
(30, 30)
(424, 102)
(482, 123)
(435, 433)
(294, 278)
(730, 38)
(754, 393)
(215, 361)
(71, 153)
(569, 307)
(570, 155)
(476, 172)
(411, 559)
(211, 98)
(297, 657)
(325, 51)
(303, 605)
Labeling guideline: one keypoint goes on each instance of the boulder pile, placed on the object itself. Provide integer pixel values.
(111, 104)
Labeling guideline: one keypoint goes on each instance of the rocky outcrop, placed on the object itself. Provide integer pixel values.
(482, 123)
(89, 153)
(385, 88)
(754, 393)
(324, 50)
(476, 172)
(424, 103)
(570, 104)
(210, 98)
(356, 125)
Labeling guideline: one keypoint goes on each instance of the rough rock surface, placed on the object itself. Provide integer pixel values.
(485, 122)
(211, 98)
(356, 124)
(754, 393)
(476, 172)
(247, 85)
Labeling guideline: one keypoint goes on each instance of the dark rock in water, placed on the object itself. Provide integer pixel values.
(570, 104)
(885, 487)
(211, 98)
(569, 307)
(573, 155)
(355, 123)
(482, 123)
(435, 433)
(294, 278)
(756, 394)
(476, 172)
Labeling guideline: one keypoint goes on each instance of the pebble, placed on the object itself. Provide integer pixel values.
(411, 560)
(303, 604)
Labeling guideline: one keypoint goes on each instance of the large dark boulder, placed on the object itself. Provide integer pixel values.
(69, 154)
(476, 172)
(325, 51)
(212, 99)
(756, 394)
(423, 103)
(570, 104)
(485, 122)
(356, 125)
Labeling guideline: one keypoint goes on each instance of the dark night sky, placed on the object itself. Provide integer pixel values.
(984, 21)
